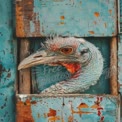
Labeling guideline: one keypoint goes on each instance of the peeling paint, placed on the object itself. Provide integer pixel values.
(26, 19)
(96, 14)
(63, 16)
(7, 62)
(91, 32)
(69, 108)
(24, 112)
(19, 20)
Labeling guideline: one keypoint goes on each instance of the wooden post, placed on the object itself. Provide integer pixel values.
(25, 74)
(113, 67)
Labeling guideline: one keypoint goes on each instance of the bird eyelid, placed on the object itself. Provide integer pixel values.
(66, 50)
(84, 51)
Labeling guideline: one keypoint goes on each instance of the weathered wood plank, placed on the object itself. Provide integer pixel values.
(67, 108)
(35, 18)
(120, 64)
(8, 49)
(113, 67)
(24, 75)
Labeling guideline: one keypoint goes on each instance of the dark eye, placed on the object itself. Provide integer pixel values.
(66, 50)
(84, 51)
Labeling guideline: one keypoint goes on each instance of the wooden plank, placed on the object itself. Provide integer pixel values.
(120, 63)
(24, 75)
(8, 58)
(36, 18)
(113, 67)
(67, 108)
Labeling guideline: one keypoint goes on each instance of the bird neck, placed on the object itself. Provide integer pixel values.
(91, 71)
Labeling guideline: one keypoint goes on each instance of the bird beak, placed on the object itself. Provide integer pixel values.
(37, 58)
(42, 57)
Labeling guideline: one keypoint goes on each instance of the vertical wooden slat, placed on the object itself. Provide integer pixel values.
(24, 75)
(113, 67)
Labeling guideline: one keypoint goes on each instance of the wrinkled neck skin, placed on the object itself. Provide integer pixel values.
(89, 75)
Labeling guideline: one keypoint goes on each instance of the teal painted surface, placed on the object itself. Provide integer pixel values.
(72, 108)
(7, 62)
(120, 15)
(120, 63)
(66, 18)
(76, 18)
(44, 75)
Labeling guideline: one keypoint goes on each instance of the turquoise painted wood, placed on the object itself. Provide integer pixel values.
(79, 18)
(85, 107)
(120, 15)
(7, 62)
(68, 108)
(120, 63)
(43, 76)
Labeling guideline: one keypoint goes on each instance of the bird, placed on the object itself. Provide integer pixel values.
(82, 60)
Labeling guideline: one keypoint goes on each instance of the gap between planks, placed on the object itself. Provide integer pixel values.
(25, 74)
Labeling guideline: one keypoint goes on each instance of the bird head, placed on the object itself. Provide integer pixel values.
(72, 53)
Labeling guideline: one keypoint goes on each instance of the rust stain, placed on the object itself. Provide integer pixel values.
(29, 2)
(62, 23)
(105, 24)
(62, 17)
(95, 22)
(98, 107)
(52, 115)
(91, 32)
(80, 2)
(54, 118)
(33, 102)
(52, 112)
(24, 16)
(83, 105)
(110, 11)
(80, 112)
(97, 104)
(19, 20)
(24, 112)
(96, 14)
(38, 115)
(70, 119)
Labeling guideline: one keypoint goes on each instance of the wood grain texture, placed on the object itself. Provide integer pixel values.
(24, 75)
(37, 18)
(113, 67)
(67, 108)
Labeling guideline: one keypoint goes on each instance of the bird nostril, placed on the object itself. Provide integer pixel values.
(37, 56)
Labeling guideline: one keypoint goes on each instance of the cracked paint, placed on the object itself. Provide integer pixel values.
(37, 18)
(68, 108)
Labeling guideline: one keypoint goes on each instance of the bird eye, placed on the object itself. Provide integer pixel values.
(84, 51)
(66, 50)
